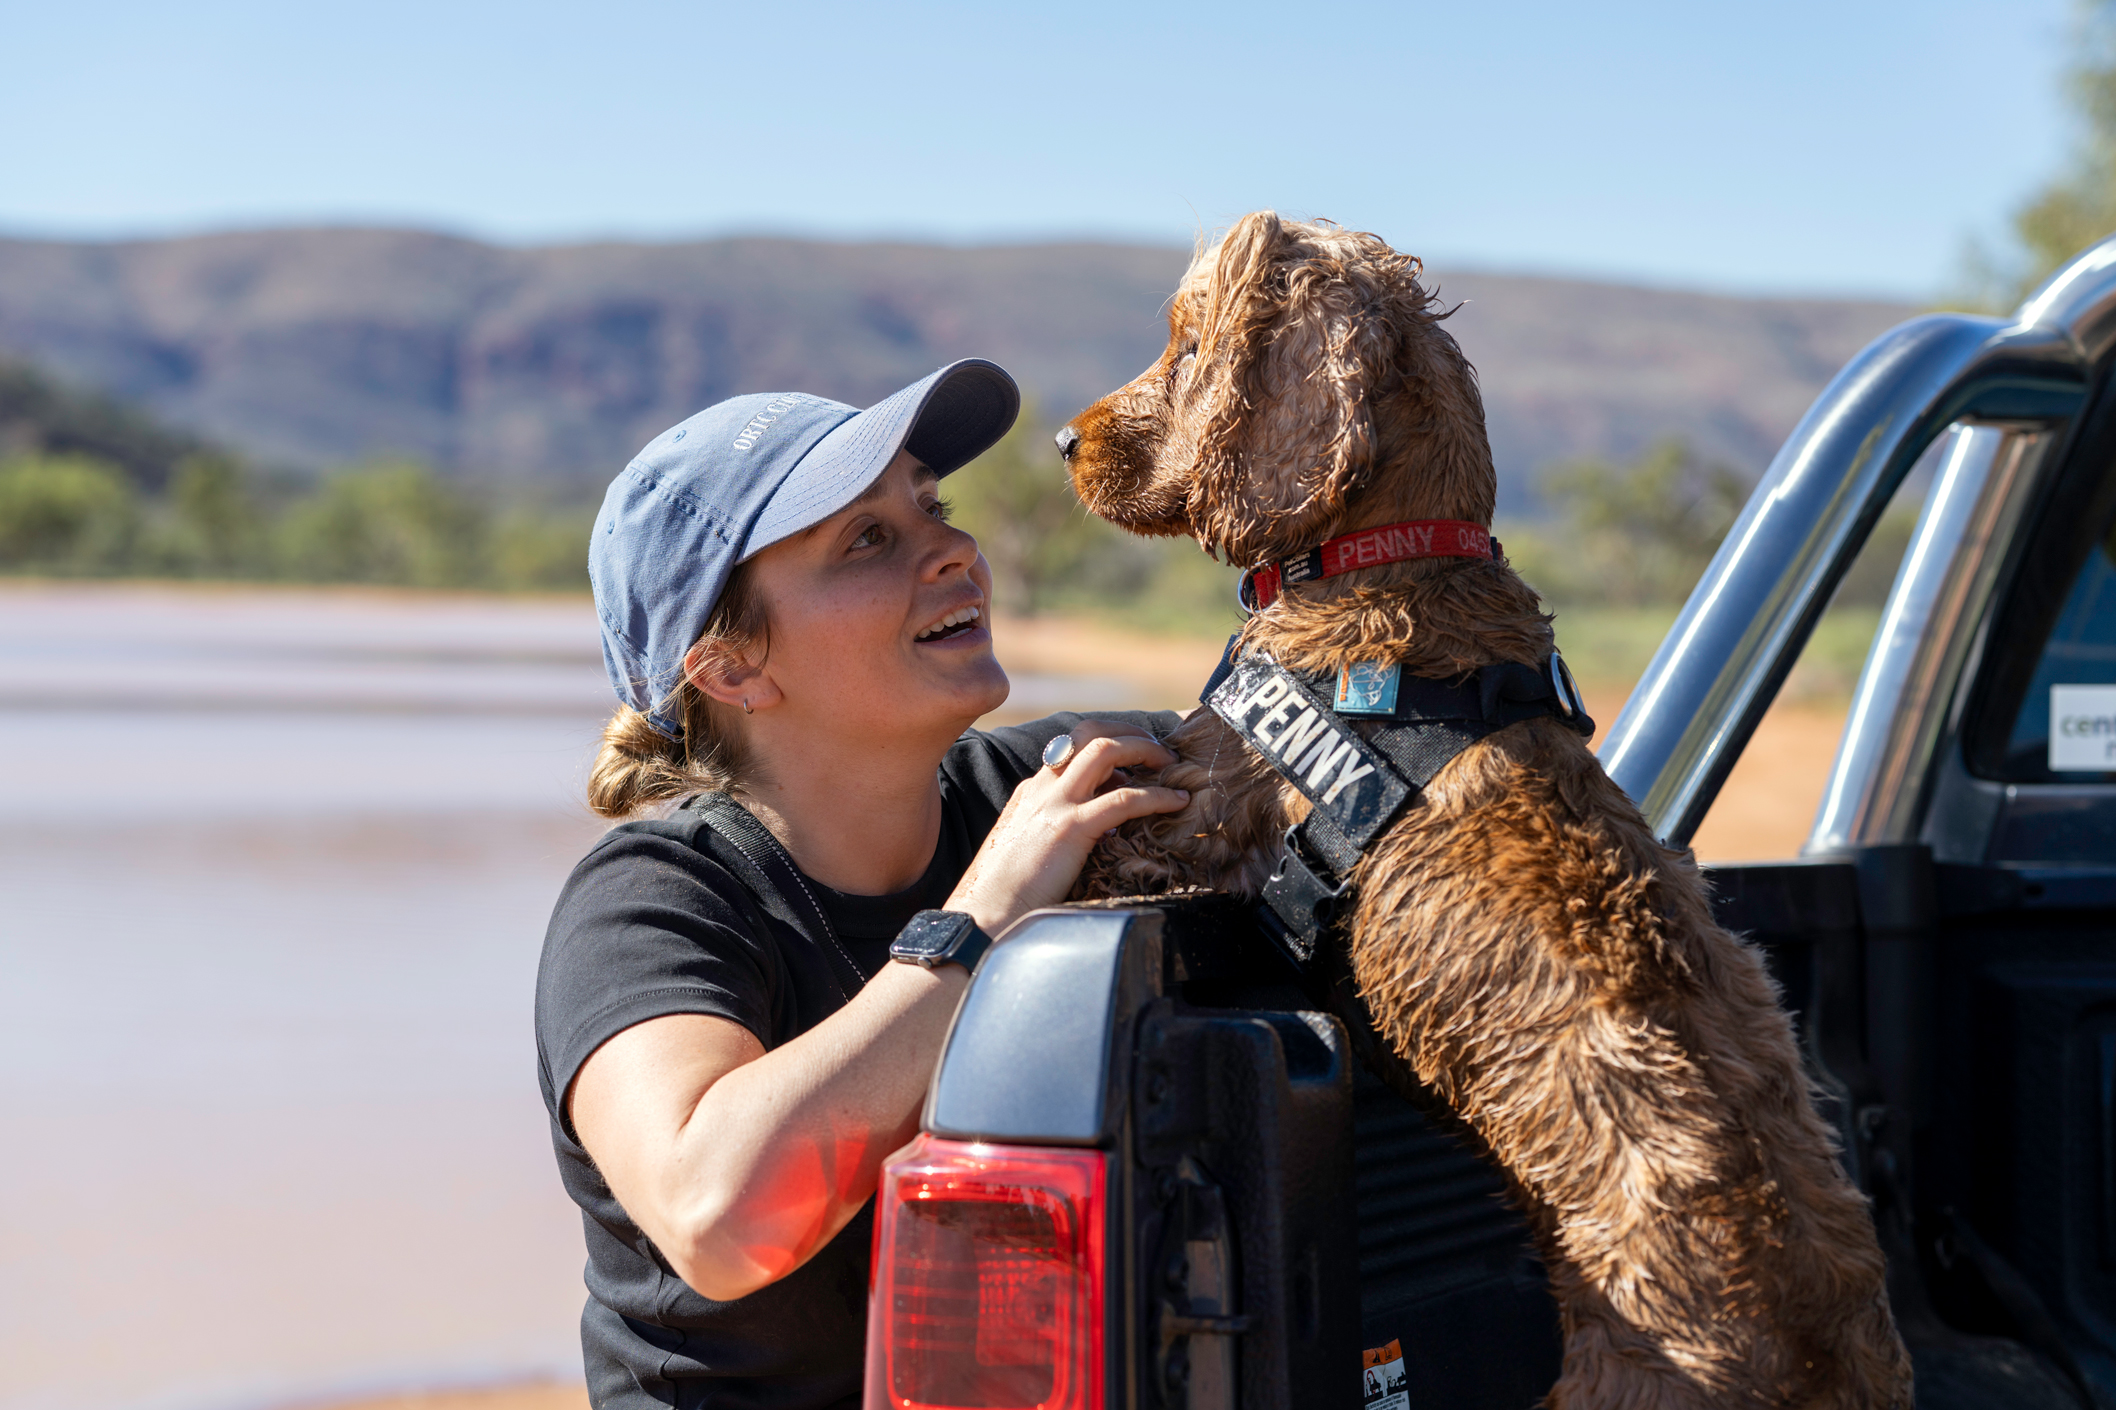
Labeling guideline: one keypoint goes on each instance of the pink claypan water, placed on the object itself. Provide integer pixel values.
(274, 870)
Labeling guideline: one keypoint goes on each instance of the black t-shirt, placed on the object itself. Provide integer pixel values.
(650, 924)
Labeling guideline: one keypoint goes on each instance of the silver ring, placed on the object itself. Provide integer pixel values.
(1057, 752)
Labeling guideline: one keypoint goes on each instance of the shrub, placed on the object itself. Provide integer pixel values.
(542, 550)
(65, 514)
(393, 522)
(214, 524)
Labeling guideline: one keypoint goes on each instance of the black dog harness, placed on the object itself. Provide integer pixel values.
(1360, 776)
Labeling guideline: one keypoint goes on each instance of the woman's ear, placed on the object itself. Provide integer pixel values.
(1291, 433)
(729, 679)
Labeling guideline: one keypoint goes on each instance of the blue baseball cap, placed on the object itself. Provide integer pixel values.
(713, 491)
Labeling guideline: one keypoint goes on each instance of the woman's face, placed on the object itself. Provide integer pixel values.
(860, 608)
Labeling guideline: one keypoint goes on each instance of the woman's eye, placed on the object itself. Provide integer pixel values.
(869, 537)
(941, 509)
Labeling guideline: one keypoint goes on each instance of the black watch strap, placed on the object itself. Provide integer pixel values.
(935, 938)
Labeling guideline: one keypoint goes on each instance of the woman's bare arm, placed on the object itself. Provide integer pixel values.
(741, 1163)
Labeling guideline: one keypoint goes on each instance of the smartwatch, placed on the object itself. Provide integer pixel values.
(935, 938)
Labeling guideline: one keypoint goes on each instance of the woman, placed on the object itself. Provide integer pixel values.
(727, 1051)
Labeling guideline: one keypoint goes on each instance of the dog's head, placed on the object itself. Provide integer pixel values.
(1302, 360)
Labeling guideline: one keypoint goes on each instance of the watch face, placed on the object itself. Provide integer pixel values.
(931, 936)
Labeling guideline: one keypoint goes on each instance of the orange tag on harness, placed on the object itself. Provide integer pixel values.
(1382, 1379)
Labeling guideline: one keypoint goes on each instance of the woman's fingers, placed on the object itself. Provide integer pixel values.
(1121, 805)
(1096, 760)
(1035, 851)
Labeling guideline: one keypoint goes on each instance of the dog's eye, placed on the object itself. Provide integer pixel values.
(1183, 365)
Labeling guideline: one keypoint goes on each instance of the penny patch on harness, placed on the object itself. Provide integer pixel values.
(1302, 737)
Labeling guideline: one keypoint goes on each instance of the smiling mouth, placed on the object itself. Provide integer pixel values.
(962, 619)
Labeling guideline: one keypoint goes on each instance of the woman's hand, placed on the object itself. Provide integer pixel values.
(1034, 853)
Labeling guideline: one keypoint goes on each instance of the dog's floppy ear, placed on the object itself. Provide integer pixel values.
(1288, 353)
(1240, 301)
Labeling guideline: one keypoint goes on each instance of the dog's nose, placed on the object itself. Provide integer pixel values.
(1068, 439)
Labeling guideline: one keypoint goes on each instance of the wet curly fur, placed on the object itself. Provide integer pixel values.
(1527, 948)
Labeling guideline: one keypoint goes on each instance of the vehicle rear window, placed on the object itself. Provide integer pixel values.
(2064, 730)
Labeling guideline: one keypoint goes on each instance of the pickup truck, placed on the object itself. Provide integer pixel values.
(1157, 1168)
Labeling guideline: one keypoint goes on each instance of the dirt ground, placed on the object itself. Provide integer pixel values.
(1764, 811)
(537, 1395)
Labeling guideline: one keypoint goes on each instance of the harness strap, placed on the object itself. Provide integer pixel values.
(1327, 840)
(1420, 752)
(1305, 897)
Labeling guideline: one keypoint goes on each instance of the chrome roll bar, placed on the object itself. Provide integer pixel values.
(1980, 486)
(1744, 625)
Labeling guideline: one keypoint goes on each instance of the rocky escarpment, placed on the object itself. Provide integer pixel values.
(312, 347)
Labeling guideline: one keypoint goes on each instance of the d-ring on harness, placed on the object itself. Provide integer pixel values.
(1359, 777)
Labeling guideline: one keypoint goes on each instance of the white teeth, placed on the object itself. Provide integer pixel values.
(955, 618)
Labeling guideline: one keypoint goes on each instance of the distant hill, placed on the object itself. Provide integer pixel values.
(41, 416)
(307, 348)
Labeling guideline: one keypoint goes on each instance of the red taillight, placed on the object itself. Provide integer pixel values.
(987, 1279)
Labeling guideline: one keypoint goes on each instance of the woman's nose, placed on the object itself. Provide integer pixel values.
(958, 550)
(1068, 438)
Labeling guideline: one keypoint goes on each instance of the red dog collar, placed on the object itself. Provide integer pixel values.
(1366, 548)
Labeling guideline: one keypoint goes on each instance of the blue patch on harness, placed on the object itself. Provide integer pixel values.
(1368, 688)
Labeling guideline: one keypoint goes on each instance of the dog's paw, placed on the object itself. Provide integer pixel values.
(1129, 862)
(1190, 850)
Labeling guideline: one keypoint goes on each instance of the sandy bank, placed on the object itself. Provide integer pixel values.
(536, 1395)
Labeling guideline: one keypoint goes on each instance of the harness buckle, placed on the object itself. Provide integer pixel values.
(1306, 905)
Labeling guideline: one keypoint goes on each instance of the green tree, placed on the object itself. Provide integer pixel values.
(393, 522)
(217, 523)
(65, 514)
(2079, 206)
(543, 550)
(1630, 535)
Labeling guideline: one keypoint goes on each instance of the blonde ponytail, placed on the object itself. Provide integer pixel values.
(639, 766)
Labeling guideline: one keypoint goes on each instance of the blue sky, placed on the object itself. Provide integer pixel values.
(1839, 147)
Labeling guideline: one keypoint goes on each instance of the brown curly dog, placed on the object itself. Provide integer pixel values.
(1524, 944)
